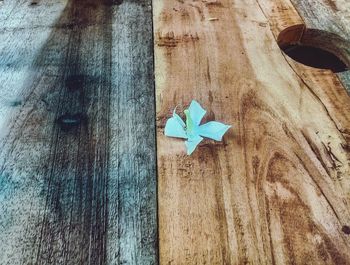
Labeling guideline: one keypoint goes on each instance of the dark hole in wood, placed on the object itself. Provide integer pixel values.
(346, 229)
(315, 48)
(69, 121)
(315, 57)
(15, 103)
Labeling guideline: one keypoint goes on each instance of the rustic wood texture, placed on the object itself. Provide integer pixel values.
(332, 16)
(277, 189)
(77, 148)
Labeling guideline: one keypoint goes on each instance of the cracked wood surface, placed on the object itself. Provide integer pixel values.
(77, 148)
(277, 189)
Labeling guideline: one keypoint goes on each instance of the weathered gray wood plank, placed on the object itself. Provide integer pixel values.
(77, 148)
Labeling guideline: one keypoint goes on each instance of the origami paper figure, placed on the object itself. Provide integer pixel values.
(191, 130)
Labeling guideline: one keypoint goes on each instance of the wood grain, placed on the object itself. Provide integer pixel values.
(77, 149)
(276, 190)
(332, 16)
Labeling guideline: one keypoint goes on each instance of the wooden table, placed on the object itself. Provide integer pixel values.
(87, 175)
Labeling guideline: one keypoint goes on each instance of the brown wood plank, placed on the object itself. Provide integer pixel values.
(276, 190)
(77, 148)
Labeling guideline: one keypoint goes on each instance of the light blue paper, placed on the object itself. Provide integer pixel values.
(192, 130)
(196, 112)
(213, 130)
(192, 143)
(175, 127)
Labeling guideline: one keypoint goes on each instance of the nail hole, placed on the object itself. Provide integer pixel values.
(33, 3)
(315, 48)
(69, 121)
(15, 103)
(346, 229)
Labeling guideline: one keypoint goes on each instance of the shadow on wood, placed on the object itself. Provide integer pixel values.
(77, 167)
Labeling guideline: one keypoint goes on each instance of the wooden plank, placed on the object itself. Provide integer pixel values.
(329, 15)
(330, 89)
(77, 155)
(276, 190)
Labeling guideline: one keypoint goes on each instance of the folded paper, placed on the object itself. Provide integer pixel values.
(192, 130)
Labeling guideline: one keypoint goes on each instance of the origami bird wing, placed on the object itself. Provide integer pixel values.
(175, 127)
(192, 143)
(197, 112)
(213, 130)
(178, 118)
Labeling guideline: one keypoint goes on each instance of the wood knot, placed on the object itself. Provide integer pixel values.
(346, 229)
